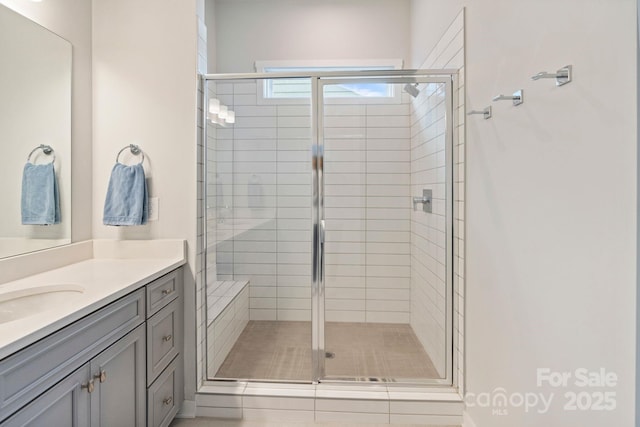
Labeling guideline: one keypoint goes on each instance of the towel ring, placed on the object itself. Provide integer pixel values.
(135, 150)
(46, 149)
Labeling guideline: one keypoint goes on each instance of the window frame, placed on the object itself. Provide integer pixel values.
(326, 65)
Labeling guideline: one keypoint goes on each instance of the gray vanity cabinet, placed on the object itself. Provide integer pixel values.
(119, 393)
(65, 405)
(117, 367)
(110, 388)
(164, 344)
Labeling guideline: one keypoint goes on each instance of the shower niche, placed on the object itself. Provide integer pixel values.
(319, 265)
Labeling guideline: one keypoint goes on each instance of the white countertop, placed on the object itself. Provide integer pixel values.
(104, 279)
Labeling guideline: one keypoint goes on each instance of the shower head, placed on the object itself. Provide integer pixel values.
(412, 89)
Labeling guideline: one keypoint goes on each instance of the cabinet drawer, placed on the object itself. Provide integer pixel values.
(25, 374)
(164, 396)
(163, 330)
(162, 291)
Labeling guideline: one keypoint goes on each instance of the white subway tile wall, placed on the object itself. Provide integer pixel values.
(429, 231)
(264, 203)
(448, 53)
(367, 208)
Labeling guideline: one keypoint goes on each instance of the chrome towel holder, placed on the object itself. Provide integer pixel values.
(517, 98)
(135, 150)
(46, 149)
(562, 76)
(486, 113)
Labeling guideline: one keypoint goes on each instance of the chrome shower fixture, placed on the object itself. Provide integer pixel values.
(412, 89)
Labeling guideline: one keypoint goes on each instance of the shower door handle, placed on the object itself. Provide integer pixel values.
(321, 261)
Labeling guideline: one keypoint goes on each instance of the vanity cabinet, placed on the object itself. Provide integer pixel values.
(107, 391)
(97, 372)
(66, 404)
(164, 342)
(119, 392)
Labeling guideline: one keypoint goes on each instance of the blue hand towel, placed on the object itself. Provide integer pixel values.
(40, 197)
(126, 202)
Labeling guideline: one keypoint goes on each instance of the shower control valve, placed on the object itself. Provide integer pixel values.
(426, 201)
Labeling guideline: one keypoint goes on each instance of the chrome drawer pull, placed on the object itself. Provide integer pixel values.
(168, 401)
(88, 386)
(102, 376)
(167, 338)
(167, 291)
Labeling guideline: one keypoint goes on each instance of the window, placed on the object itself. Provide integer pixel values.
(300, 89)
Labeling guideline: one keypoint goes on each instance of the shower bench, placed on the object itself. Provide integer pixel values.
(227, 316)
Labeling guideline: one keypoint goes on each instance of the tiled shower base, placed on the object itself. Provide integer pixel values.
(281, 350)
(329, 403)
(216, 422)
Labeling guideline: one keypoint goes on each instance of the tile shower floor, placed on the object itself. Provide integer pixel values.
(281, 350)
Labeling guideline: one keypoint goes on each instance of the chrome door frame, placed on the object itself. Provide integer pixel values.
(318, 81)
(415, 76)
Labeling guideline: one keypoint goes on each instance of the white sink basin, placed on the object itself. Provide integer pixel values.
(21, 303)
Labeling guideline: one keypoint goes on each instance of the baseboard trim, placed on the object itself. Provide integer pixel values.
(188, 409)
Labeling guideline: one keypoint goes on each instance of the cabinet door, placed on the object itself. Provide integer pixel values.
(120, 386)
(65, 405)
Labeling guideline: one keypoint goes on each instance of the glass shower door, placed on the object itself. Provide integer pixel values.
(386, 293)
(328, 240)
(259, 211)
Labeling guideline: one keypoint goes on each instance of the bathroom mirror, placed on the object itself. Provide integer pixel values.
(35, 109)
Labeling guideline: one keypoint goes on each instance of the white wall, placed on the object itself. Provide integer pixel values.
(210, 21)
(429, 21)
(251, 30)
(550, 203)
(145, 92)
(71, 20)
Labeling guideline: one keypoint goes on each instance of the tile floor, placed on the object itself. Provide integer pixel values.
(281, 350)
(216, 422)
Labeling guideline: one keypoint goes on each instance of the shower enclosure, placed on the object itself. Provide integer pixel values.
(328, 226)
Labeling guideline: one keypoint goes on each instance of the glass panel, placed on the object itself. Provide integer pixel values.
(387, 290)
(258, 186)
